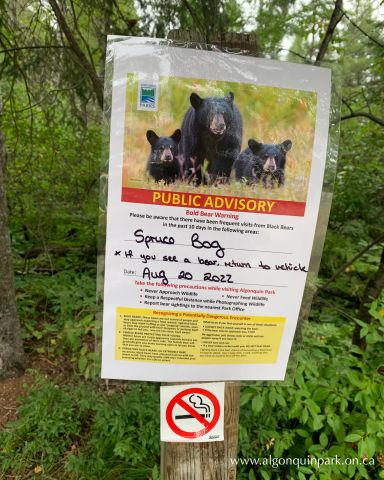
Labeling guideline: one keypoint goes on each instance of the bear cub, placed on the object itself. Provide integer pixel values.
(262, 161)
(212, 131)
(163, 162)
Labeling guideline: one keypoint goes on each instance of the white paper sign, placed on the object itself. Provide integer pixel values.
(215, 177)
(192, 413)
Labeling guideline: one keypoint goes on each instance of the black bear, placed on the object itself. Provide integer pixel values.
(163, 162)
(262, 161)
(211, 131)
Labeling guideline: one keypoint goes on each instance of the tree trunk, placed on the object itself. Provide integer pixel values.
(11, 348)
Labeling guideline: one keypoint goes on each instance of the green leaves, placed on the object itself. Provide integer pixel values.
(63, 321)
(245, 398)
(257, 404)
(352, 437)
(337, 426)
(320, 394)
(367, 447)
(334, 408)
(354, 378)
(252, 476)
(276, 398)
(312, 406)
(323, 439)
(334, 404)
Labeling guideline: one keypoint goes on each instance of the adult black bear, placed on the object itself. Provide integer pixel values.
(262, 161)
(163, 163)
(212, 130)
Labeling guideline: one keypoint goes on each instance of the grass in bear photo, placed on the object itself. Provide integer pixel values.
(269, 115)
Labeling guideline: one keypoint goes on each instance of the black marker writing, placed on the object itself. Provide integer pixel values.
(148, 239)
(288, 266)
(264, 266)
(145, 258)
(197, 243)
(151, 275)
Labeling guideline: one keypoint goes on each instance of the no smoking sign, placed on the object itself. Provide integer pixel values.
(192, 413)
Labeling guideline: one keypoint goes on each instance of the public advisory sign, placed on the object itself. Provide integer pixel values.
(216, 168)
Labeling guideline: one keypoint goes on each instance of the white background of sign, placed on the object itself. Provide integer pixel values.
(151, 60)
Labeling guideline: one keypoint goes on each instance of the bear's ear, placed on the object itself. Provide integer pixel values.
(286, 145)
(176, 135)
(230, 97)
(254, 146)
(196, 101)
(152, 137)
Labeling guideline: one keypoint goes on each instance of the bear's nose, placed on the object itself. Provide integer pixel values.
(221, 126)
(270, 164)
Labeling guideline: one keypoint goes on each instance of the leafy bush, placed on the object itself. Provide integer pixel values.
(77, 432)
(334, 408)
(59, 312)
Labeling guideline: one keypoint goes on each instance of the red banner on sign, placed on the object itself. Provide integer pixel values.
(213, 202)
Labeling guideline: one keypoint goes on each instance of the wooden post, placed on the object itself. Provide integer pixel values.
(209, 460)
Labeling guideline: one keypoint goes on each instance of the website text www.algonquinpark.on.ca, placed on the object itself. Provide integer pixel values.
(276, 462)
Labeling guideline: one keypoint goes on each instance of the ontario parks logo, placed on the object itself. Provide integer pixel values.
(147, 97)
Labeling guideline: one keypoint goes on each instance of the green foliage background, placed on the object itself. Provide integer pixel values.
(70, 425)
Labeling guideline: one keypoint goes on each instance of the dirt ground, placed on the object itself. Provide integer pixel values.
(58, 369)
(12, 389)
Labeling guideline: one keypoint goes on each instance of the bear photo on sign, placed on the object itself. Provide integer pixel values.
(262, 161)
(211, 131)
(211, 155)
(163, 164)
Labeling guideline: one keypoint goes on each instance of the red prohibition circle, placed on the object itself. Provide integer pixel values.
(178, 399)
